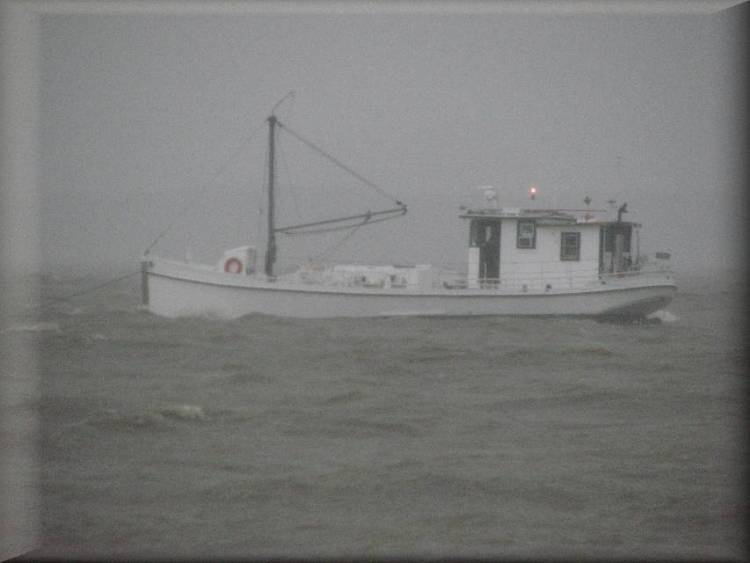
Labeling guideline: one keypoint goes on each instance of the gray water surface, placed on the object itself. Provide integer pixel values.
(405, 437)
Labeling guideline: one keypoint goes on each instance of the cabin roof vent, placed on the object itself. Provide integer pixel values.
(490, 195)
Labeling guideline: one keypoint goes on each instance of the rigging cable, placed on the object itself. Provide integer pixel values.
(292, 189)
(366, 221)
(289, 94)
(208, 184)
(92, 289)
(338, 163)
(333, 248)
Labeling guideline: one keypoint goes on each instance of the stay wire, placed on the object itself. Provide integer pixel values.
(92, 289)
(338, 163)
(292, 233)
(333, 248)
(200, 194)
(292, 189)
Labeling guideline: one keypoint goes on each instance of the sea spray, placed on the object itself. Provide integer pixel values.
(664, 316)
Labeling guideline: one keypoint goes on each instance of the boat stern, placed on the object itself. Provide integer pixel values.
(652, 299)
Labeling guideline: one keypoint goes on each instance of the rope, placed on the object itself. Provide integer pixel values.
(95, 288)
(338, 163)
(333, 248)
(289, 94)
(292, 189)
(366, 221)
(208, 184)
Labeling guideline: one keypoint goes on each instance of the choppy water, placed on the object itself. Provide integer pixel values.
(502, 437)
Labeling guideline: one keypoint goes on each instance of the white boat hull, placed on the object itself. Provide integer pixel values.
(174, 289)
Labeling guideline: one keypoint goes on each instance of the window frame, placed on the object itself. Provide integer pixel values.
(531, 222)
(569, 257)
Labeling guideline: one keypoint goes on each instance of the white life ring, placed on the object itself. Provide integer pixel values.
(233, 266)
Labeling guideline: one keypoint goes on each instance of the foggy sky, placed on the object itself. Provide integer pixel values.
(152, 120)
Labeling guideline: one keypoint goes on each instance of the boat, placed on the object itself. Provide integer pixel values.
(519, 261)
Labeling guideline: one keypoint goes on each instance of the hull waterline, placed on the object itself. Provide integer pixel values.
(176, 291)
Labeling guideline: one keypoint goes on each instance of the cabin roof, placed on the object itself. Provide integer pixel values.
(544, 216)
(604, 222)
(514, 212)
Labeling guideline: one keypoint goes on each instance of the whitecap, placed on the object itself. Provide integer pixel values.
(663, 315)
(184, 412)
(33, 327)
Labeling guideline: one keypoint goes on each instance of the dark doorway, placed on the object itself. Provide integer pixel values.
(614, 247)
(485, 234)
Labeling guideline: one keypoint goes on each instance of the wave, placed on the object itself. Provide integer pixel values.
(160, 418)
(34, 327)
(342, 398)
(495, 490)
(184, 412)
(242, 373)
(429, 353)
(570, 399)
(664, 316)
(350, 428)
(63, 308)
(538, 355)
(287, 489)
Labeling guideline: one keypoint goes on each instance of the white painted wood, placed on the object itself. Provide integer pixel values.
(473, 265)
(535, 267)
(180, 289)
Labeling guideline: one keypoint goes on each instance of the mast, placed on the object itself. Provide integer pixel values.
(271, 243)
(309, 228)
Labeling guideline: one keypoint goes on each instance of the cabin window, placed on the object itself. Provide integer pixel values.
(473, 233)
(609, 237)
(483, 232)
(478, 233)
(570, 246)
(526, 237)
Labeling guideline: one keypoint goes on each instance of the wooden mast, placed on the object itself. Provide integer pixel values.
(271, 243)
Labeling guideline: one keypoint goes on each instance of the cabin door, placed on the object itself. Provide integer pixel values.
(614, 248)
(488, 240)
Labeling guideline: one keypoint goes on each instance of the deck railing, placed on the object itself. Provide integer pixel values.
(550, 281)
(517, 282)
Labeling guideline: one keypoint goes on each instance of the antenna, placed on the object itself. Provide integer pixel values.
(490, 194)
(289, 94)
(612, 205)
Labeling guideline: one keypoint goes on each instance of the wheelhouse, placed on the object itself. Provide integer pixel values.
(541, 250)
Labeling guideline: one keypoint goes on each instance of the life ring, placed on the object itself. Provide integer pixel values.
(233, 266)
